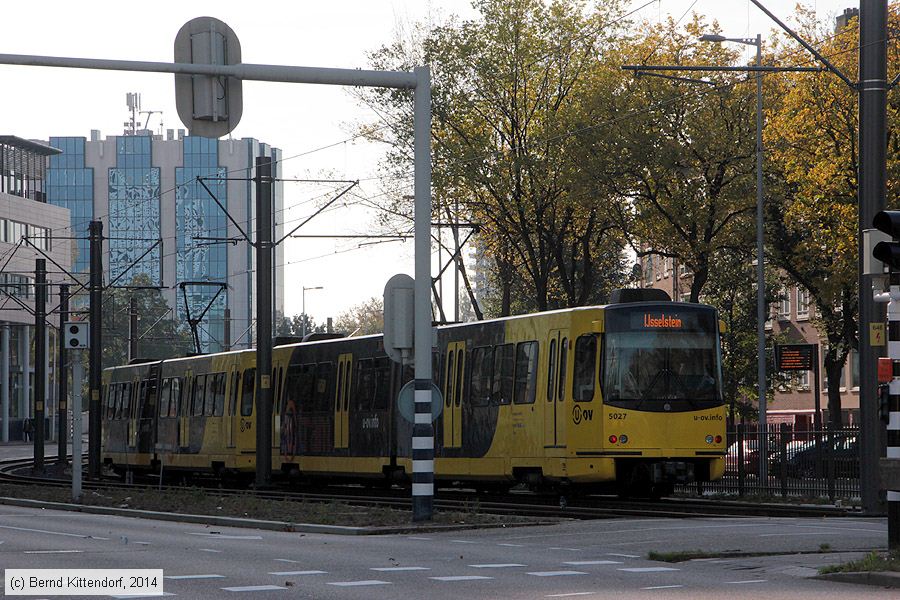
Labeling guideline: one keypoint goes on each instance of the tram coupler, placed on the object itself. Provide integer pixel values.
(672, 471)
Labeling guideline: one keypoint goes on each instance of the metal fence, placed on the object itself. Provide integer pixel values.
(799, 464)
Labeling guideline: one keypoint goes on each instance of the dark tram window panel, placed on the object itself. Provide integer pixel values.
(460, 364)
(247, 387)
(526, 372)
(175, 405)
(324, 385)
(210, 404)
(563, 357)
(382, 376)
(504, 361)
(232, 400)
(365, 384)
(219, 405)
(585, 365)
(197, 393)
(448, 377)
(164, 397)
(551, 371)
(482, 363)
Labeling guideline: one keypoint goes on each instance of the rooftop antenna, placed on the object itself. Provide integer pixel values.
(133, 100)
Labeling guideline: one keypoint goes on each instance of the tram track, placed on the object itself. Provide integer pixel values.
(511, 503)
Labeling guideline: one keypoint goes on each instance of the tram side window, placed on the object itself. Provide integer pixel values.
(176, 397)
(197, 393)
(482, 363)
(585, 361)
(502, 388)
(324, 379)
(460, 368)
(142, 398)
(247, 387)
(165, 393)
(563, 357)
(124, 407)
(526, 372)
(111, 392)
(365, 384)
(551, 371)
(382, 379)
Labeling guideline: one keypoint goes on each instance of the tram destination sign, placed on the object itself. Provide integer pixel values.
(795, 357)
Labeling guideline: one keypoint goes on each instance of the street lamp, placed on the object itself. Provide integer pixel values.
(303, 326)
(760, 271)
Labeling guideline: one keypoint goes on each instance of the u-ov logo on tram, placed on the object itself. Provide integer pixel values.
(579, 415)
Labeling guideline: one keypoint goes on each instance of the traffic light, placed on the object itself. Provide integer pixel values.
(888, 221)
(75, 334)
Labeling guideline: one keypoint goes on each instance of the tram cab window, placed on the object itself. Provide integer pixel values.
(583, 382)
(526, 372)
(248, 385)
(482, 363)
(502, 387)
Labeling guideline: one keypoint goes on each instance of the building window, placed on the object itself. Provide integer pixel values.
(854, 369)
(784, 304)
(802, 303)
(71, 185)
(648, 270)
(803, 380)
(667, 266)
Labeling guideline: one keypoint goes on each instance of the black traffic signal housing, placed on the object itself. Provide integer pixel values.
(888, 221)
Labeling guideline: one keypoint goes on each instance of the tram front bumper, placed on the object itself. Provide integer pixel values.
(672, 471)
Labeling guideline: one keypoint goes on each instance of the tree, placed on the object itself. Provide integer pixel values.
(813, 164)
(160, 335)
(505, 88)
(366, 318)
(679, 157)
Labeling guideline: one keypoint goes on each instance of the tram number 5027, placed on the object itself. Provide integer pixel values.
(617, 416)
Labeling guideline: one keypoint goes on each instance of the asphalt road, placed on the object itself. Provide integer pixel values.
(594, 559)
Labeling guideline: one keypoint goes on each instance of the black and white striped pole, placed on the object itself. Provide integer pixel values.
(888, 252)
(893, 426)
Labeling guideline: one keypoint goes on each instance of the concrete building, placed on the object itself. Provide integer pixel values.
(27, 222)
(163, 227)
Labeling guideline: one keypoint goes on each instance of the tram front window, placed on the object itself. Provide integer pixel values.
(661, 370)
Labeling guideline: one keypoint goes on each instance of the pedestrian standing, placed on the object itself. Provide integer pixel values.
(27, 429)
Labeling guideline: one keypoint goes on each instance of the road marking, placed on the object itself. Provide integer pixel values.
(419, 538)
(571, 594)
(390, 569)
(254, 588)
(460, 578)
(74, 535)
(228, 537)
(497, 565)
(287, 560)
(623, 555)
(647, 569)
(462, 542)
(748, 581)
(512, 545)
(662, 587)
(359, 583)
(556, 573)
(568, 549)
(210, 550)
(208, 576)
(53, 551)
(298, 573)
(579, 563)
(794, 534)
(142, 543)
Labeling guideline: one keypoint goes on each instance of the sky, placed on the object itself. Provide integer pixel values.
(312, 124)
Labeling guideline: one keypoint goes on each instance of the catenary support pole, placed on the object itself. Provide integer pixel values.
(132, 329)
(263, 321)
(871, 190)
(760, 275)
(95, 352)
(40, 360)
(62, 377)
(423, 430)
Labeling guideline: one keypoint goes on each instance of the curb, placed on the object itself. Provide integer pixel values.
(283, 526)
(888, 579)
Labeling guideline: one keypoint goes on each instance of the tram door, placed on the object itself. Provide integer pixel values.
(454, 371)
(231, 405)
(138, 397)
(342, 401)
(184, 412)
(555, 387)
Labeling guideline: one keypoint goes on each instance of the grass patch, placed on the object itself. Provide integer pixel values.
(200, 501)
(872, 562)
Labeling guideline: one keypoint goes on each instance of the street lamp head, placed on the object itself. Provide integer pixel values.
(713, 37)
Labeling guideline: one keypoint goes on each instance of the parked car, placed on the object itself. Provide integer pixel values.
(812, 460)
(751, 456)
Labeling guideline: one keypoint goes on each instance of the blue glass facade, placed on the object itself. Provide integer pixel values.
(197, 216)
(134, 205)
(71, 185)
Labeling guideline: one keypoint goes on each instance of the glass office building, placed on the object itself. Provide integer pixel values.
(71, 185)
